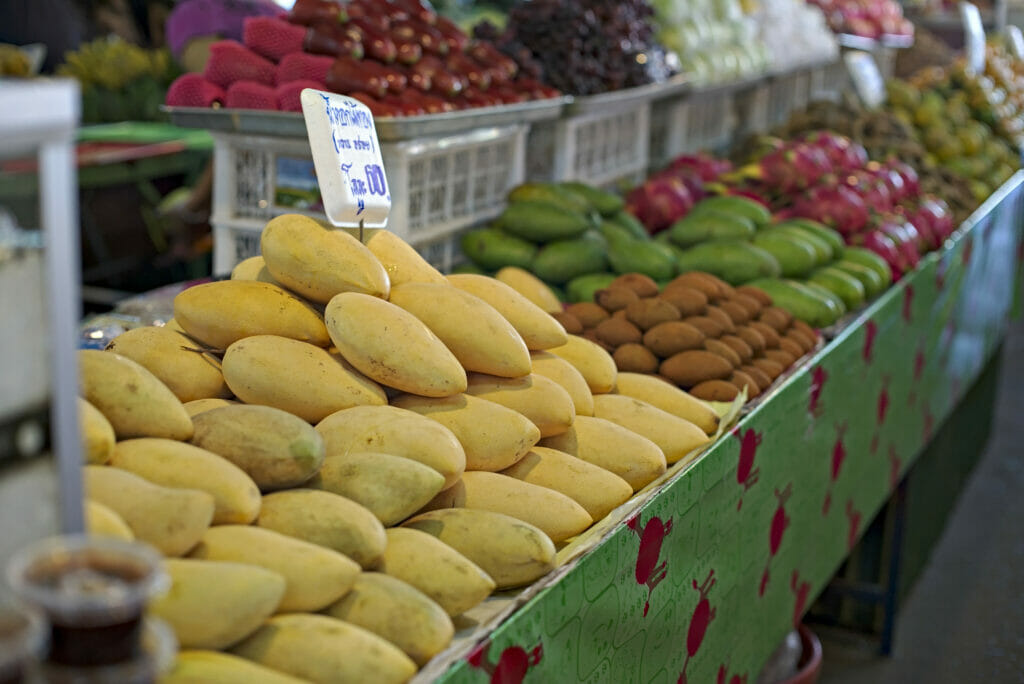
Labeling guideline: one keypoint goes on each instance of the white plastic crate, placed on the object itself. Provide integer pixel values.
(438, 185)
(690, 124)
(751, 109)
(829, 82)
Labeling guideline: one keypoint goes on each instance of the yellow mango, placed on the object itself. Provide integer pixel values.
(209, 667)
(595, 364)
(131, 398)
(214, 604)
(446, 576)
(568, 378)
(390, 487)
(599, 491)
(178, 465)
(297, 377)
(393, 347)
(253, 268)
(537, 328)
(667, 397)
(276, 449)
(397, 612)
(173, 325)
(541, 400)
(634, 458)
(511, 551)
(327, 520)
(172, 520)
(479, 337)
(395, 431)
(102, 521)
(325, 651)
(531, 287)
(225, 311)
(554, 513)
(493, 437)
(163, 352)
(453, 497)
(317, 262)
(402, 263)
(194, 408)
(676, 437)
(314, 576)
(97, 434)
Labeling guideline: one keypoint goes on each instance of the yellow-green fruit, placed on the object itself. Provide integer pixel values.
(393, 347)
(327, 520)
(554, 513)
(398, 613)
(395, 431)
(225, 311)
(511, 551)
(635, 459)
(276, 449)
(317, 262)
(315, 577)
(214, 604)
(212, 667)
(676, 437)
(568, 378)
(599, 491)
(541, 400)
(178, 465)
(253, 268)
(537, 328)
(164, 353)
(446, 576)
(531, 287)
(667, 397)
(194, 408)
(493, 437)
(172, 520)
(97, 434)
(297, 377)
(479, 337)
(390, 487)
(402, 263)
(102, 521)
(134, 400)
(595, 364)
(325, 651)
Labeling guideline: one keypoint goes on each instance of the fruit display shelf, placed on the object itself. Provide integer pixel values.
(720, 561)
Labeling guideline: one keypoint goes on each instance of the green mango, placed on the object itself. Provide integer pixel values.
(695, 228)
(543, 221)
(639, 256)
(798, 300)
(827, 295)
(549, 192)
(735, 205)
(492, 248)
(582, 288)
(841, 284)
(615, 232)
(795, 257)
(632, 224)
(606, 203)
(871, 281)
(827, 234)
(865, 257)
(469, 267)
(561, 261)
(734, 261)
(822, 249)
(665, 249)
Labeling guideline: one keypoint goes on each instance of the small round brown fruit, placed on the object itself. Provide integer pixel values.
(617, 332)
(723, 350)
(756, 293)
(741, 348)
(571, 324)
(643, 285)
(717, 314)
(715, 390)
(737, 313)
(757, 375)
(690, 301)
(741, 380)
(753, 338)
(709, 326)
(635, 358)
(647, 313)
(614, 299)
(588, 314)
(771, 338)
(672, 337)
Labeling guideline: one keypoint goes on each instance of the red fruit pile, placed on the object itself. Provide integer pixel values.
(866, 18)
(397, 56)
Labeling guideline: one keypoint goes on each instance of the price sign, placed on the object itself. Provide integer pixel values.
(974, 37)
(1016, 40)
(867, 79)
(346, 154)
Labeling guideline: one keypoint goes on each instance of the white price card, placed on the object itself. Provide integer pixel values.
(867, 79)
(1016, 40)
(346, 154)
(974, 37)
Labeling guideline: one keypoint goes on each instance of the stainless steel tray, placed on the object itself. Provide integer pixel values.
(389, 129)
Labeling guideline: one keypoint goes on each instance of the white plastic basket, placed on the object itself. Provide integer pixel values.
(438, 185)
(691, 124)
(751, 109)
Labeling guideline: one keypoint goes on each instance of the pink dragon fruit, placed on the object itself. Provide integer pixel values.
(659, 202)
(872, 188)
(839, 207)
(882, 245)
(843, 154)
(905, 236)
(911, 184)
(703, 166)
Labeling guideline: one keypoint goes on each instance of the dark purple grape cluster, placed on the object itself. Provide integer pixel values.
(585, 47)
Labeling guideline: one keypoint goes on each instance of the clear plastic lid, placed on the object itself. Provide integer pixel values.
(82, 581)
(159, 650)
